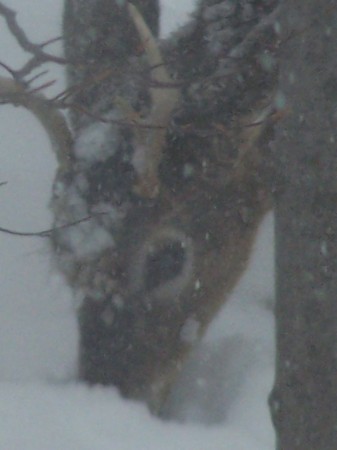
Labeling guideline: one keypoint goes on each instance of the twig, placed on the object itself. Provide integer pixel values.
(35, 77)
(8, 69)
(22, 39)
(47, 233)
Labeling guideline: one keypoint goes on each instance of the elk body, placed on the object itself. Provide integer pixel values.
(168, 158)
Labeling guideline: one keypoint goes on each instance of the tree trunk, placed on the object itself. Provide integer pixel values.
(304, 399)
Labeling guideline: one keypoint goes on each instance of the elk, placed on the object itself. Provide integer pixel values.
(167, 156)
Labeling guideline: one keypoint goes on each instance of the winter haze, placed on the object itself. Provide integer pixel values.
(221, 399)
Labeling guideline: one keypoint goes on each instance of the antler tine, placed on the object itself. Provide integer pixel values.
(165, 97)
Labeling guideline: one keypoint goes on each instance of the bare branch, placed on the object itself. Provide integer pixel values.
(35, 77)
(47, 233)
(28, 67)
(213, 129)
(22, 39)
(8, 69)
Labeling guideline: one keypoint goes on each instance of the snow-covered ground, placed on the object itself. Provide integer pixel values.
(220, 401)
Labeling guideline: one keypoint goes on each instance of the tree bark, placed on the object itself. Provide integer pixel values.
(304, 399)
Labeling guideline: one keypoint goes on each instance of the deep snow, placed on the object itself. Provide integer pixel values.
(220, 400)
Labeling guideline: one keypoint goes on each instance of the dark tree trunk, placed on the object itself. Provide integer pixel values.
(304, 399)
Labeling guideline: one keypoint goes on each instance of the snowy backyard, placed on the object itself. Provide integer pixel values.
(220, 401)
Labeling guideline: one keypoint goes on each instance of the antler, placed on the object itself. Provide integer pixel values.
(165, 96)
(16, 91)
(152, 274)
(46, 112)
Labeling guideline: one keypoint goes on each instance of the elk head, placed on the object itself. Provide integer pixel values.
(167, 155)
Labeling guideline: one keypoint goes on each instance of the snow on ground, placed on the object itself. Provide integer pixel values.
(220, 399)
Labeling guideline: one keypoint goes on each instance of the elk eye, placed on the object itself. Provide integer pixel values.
(164, 264)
